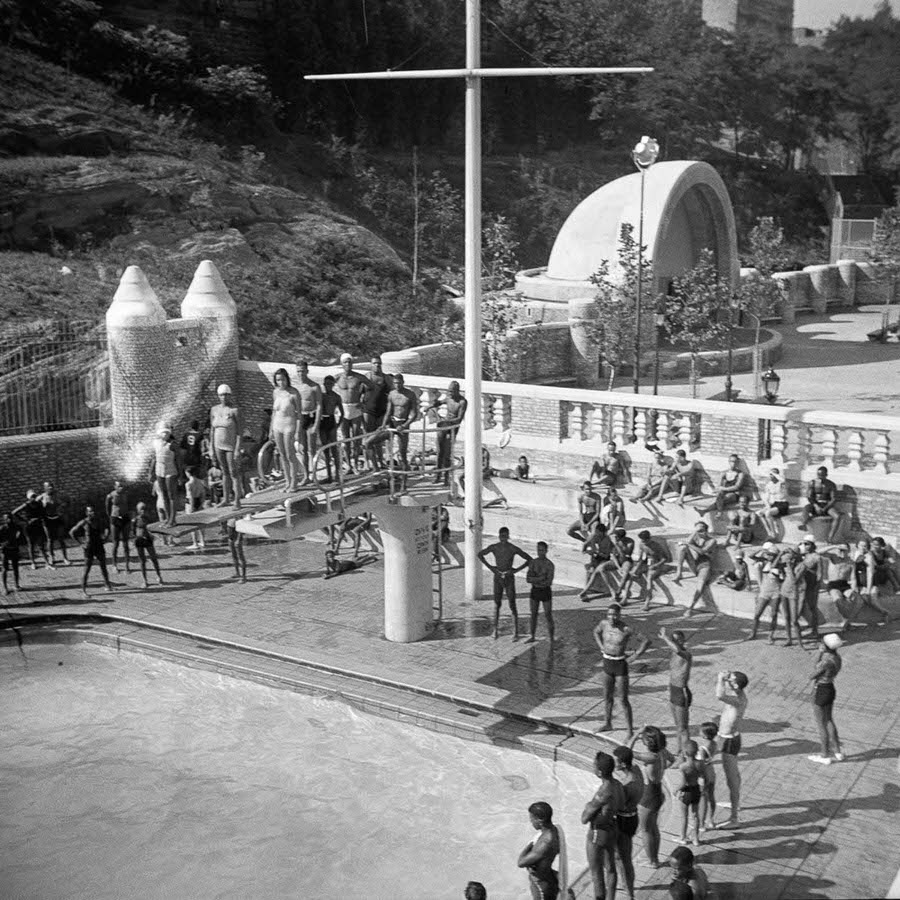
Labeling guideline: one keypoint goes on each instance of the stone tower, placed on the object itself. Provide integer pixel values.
(166, 370)
(138, 357)
(208, 305)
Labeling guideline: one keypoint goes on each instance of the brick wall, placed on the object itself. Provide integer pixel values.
(81, 463)
(724, 435)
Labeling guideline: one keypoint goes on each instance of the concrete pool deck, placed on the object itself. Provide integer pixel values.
(811, 831)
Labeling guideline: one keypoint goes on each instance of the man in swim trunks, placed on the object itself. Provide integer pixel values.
(53, 526)
(730, 691)
(192, 450)
(680, 661)
(354, 527)
(540, 577)
(119, 523)
(91, 535)
(225, 445)
(732, 484)
(612, 636)
(374, 408)
(402, 410)
(652, 559)
(821, 496)
(771, 589)
(655, 475)
(632, 781)
(538, 855)
(455, 406)
(610, 468)
(599, 547)
(335, 566)
(589, 505)
(601, 816)
(331, 409)
(310, 412)
(504, 570)
(743, 523)
(32, 513)
(10, 536)
(350, 386)
(697, 552)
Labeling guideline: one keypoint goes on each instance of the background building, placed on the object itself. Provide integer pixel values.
(768, 19)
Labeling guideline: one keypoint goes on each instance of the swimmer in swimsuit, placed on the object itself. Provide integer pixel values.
(285, 427)
(600, 815)
(821, 497)
(455, 406)
(350, 387)
(53, 526)
(504, 571)
(689, 772)
(402, 411)
(680, 661)
(730, 687)
(225, 444)
(612, 636)
(654, 761)
(310, 414)
(32, 511)
(374, 408)
(143, 543)
(632, 781)
(732, 484)
(697, 552)
(331, 410)
(164, 472)
(119, 523)
(335, 566)
(538, 855)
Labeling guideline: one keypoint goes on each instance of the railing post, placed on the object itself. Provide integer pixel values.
(501, 411)
(684, 432)
(805, 442)
(488, 411)
(882, 452)
(576, 422)
(778, 442)
(854, 450)
(618, 425)
(640, 426)
(829, 447)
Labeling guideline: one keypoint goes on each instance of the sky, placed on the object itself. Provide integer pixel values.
(821, 13)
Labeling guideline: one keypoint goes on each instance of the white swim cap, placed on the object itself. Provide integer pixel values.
(345, 357)
(223, 389)
(832, 641)
(768, 545)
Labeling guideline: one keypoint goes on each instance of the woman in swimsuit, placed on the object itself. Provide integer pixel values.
(827, 667)
(284, 428)
(654, 761)
(165, 472)
(225, 444)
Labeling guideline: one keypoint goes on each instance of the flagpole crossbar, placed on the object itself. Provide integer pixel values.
(473, 74)
(480, 73)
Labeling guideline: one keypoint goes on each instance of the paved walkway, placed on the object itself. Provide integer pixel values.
(869, 371)
(811, 831)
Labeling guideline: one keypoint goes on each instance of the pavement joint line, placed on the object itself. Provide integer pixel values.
(59, 623)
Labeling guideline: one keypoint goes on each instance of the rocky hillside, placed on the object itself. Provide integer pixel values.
(90, 184)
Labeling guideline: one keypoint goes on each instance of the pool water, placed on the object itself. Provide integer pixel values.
(124, 776)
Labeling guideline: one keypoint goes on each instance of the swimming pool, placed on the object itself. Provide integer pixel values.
(125, 776)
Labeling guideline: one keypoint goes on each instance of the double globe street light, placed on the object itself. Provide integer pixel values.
(645, 153)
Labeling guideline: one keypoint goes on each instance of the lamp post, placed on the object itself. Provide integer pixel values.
(771, 381)
(645, 152)
(659, 320)
(733, 306)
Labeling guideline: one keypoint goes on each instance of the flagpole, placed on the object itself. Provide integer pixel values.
(472, 421)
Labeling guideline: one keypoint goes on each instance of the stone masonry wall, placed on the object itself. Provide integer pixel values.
(724, 435)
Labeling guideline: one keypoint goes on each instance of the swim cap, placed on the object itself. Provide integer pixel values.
(832, 641)
(345, 357)
(223, 389)
(740, 679)
(30, 495)
(768, 545)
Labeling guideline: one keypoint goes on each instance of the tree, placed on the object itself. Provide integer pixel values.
(692, 312)
(616, 299)
(885, 254)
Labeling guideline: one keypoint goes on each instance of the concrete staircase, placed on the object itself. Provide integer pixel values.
(543, 510)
